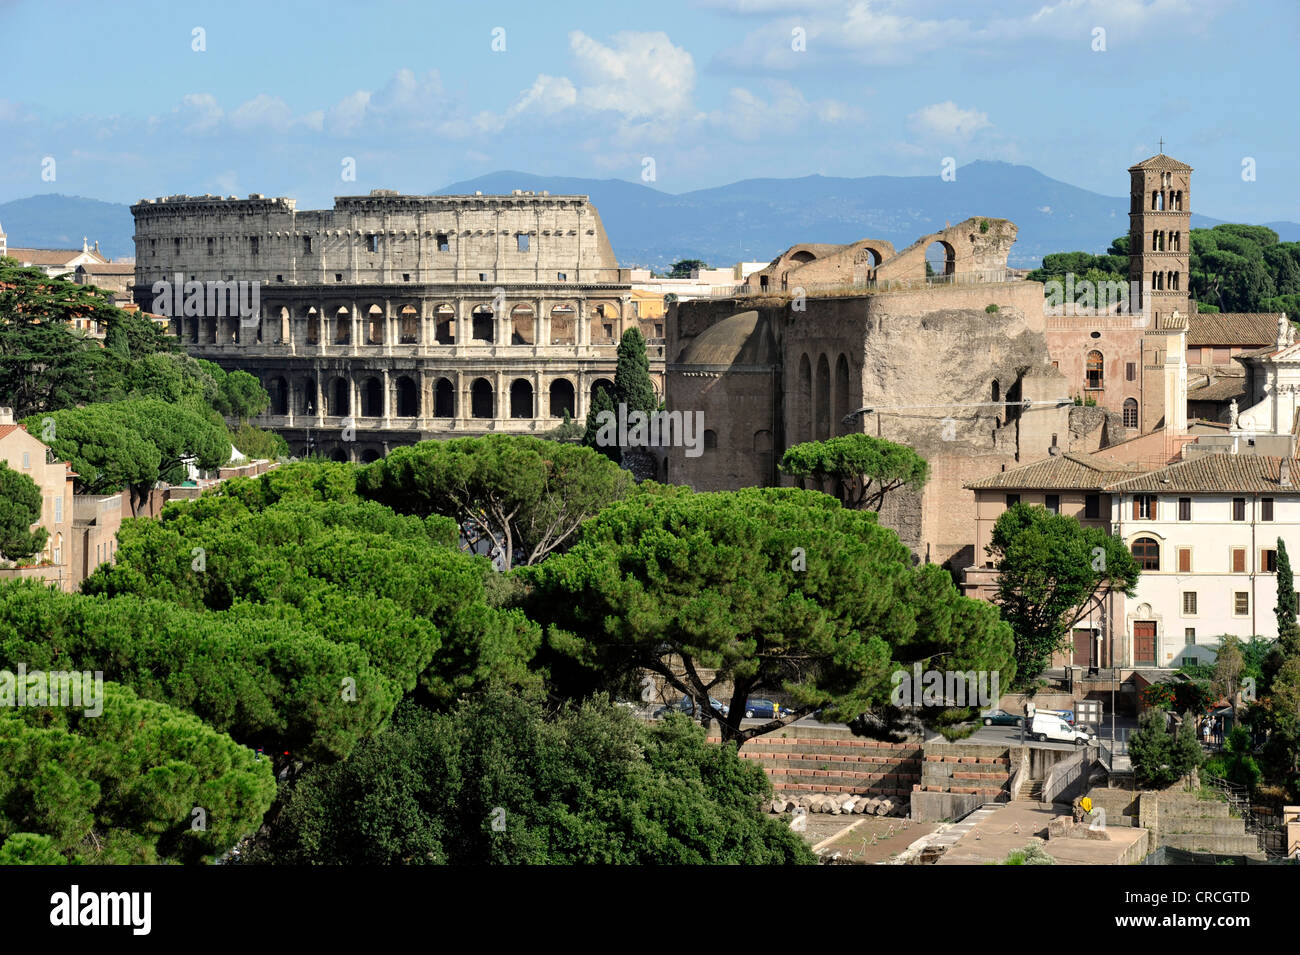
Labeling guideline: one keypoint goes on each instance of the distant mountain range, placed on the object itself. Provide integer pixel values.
(750, 220)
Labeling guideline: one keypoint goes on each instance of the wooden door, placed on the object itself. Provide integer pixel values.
(1144, 643)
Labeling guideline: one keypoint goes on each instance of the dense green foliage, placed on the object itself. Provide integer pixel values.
(122, 787)
(524, 496)
(1051, 569)
(497, 781)
(1160, 756)
(1234, 268)
(866, 468)
(20, 508)
(120, 445)
(773, 589)
(298, 546)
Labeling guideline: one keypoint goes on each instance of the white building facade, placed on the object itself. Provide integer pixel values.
(1205, 533)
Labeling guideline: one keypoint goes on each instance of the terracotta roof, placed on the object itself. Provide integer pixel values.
(127, 268)
(1223, 388)
(1247, 473)
(47, 256)
(7, 429)
(1232, 328)
(1256, 352)
(1072, 471)
(1161, 161)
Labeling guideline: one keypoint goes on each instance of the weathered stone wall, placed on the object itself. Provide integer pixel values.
(919, 359)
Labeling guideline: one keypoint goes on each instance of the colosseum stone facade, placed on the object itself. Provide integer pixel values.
(394, 318)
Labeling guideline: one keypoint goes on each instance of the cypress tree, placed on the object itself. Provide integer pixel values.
(1286, 599)
(632, 385)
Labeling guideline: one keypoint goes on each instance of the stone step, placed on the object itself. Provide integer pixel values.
(1208, 825)
(1200, 809)
(1199, 842)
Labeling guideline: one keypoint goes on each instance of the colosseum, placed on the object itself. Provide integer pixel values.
(393, 318)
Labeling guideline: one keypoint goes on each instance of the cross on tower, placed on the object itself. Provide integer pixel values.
(1162, 145)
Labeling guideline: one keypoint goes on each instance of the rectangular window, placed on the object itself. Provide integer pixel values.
(1238, 508)
(1053, 503)
(1194, 354)
(1241, 603)
(338, 276)
(482, 276)
(1266, 509)
(1130, 371)
(27, 460)
(406, 276)
(1092, 507)
(253, 244)
(1144, 507)
(372, 243)
(1268, 561)
(210, 249)
(306, 245)
(521, 243)
(443, 245)
(58, 509)
(1189, 635)
(1222, 356)
(1239, 560)
(561, 276)
(1185, 560)
(1184, 508)
(176, 246)
(1189, 603)
(1013, 499)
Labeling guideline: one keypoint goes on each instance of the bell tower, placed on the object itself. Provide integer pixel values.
(1160, 242)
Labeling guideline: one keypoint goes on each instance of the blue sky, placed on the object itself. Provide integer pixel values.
(712, 90)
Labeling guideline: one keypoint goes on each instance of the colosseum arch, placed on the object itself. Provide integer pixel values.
(340, 398)
(370, 454)
(408, 325)
(598, 384)
(338, 454)
(408, 397)
(374, 325)
(313, 326)
(480, 399)
(562, 398)
(444, 318)
(564, 325)
(444, 399)
(278, 390)
(306, 401)
(521, 398)
(482, 324)
(342, 325)
(822, 428)
(372, 398)
(280, 325)
(523, 324)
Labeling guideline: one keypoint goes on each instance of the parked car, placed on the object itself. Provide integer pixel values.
(764, 709)
(1049, 726)
(687, 705)
(1002, 718)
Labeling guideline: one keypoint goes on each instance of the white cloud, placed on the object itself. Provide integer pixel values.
(638, 74)
(948, 122)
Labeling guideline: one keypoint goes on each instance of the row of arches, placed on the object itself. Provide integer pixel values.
(1166, 280)
(1171, 241)
(341, 397)
(519, 326)
(820, 400)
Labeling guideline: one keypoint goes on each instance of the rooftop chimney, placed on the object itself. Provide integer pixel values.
(1284, 473)
(6, 415)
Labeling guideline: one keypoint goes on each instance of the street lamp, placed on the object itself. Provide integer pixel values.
(310, 411)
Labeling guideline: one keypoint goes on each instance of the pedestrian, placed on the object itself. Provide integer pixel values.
(1205, 730)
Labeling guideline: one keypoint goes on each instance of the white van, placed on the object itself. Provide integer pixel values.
(1049, 726)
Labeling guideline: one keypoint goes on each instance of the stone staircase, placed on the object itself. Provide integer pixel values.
(1185, 821)
(863, 767)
